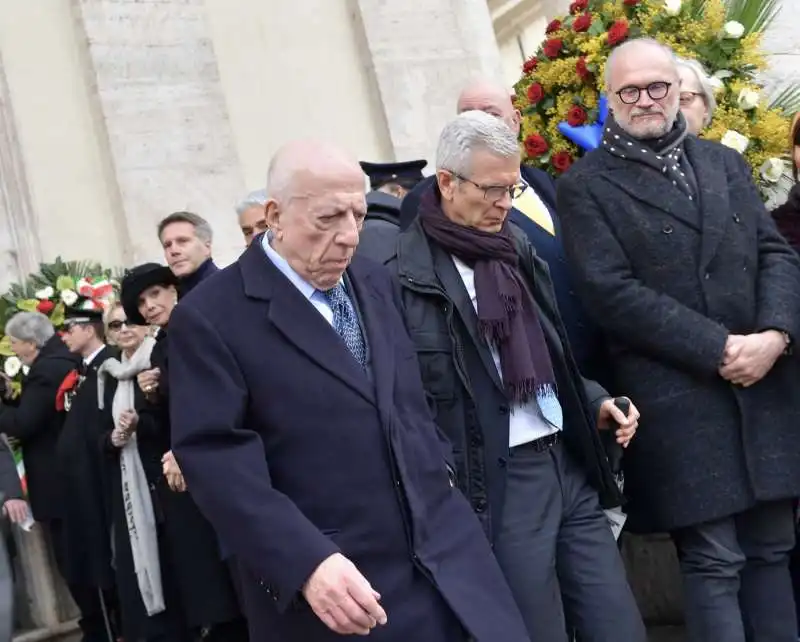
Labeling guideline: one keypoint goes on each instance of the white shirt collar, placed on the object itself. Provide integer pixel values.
(90, 358)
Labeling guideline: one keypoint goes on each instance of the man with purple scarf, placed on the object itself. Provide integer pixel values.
(503, 382)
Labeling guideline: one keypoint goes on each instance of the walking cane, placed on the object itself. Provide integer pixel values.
(106, 620)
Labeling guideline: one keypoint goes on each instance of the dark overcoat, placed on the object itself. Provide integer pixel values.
(188, 543)
(461, 379)
(84, 478)
(33, 420)
(668, 279)
(297, 461)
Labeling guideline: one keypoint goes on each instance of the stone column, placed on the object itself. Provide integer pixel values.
(20, 252)
(422, 54)
(164, 112)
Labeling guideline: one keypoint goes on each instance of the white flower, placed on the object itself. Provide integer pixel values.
(733, 30)
(748, 99)
(12, 366)
(716, 84)
(44, 293)
(673, 7)
(773, 169)
(69, 297)
(735, 140)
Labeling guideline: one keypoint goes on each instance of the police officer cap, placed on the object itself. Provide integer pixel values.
(407, 173)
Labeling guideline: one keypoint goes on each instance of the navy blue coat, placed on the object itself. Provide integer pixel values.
(584, 336)
(293, 454)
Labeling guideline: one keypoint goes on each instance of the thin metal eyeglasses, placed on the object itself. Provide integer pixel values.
(687, 97)
(494, 193)
(656, 91)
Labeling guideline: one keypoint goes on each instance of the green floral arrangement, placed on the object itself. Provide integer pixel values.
(563, 82)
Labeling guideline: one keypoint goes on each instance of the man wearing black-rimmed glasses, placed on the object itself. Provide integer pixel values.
(505, 388)
(679, 262)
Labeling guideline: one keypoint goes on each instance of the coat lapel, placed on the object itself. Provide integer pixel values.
(295, 317)
(645, 185)
(714, 202)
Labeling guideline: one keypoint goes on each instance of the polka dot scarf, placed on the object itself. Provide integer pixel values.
(665, 154)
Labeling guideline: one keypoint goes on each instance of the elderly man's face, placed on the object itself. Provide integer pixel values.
(316, 228)
(643, 68)
(252, 222)
(482, 199)
(693, 105)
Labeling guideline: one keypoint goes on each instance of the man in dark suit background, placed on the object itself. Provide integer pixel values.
(679, 262)
(535, 212)
(326, 477)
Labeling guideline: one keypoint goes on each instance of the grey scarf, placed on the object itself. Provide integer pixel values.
(665, 154)
(135, 489)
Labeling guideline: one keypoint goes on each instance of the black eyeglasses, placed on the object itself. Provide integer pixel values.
(117, 325)
(656, 91)
(494, 193)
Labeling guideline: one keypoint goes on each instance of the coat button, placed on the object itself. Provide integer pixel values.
(737, 218)
(480, 506)
(706, 276)
(667, 229)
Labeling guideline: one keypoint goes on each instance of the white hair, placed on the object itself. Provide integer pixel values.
(470, 131)
(258, 198)
(705, 86)
(30, 326)
(619, 50)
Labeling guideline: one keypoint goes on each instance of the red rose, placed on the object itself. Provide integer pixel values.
(631, 3)
(535, 145)
(576, 116)
(581, 69)
(555, 25)
(552, 47)
(618, 32)
(578, 6)
(45, 306)
(582, 23)
(561, 161)
(530, 65)
(535, 93)
(70, 381)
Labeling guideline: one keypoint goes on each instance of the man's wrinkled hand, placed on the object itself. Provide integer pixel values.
(172, 472)
(611, 415)
(748, 358)
(342, 597)
(16, 510)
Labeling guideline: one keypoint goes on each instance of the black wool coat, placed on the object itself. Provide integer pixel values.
(668, 279)
(33, 420)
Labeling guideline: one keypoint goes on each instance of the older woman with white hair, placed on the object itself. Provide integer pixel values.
(697, 95)
(252, 215)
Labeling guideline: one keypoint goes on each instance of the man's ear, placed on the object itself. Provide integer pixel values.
(447, 184)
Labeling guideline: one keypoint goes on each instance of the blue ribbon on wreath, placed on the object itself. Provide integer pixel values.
(587, 137)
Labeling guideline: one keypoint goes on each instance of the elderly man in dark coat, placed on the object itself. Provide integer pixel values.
(335, 495)
(681, 265)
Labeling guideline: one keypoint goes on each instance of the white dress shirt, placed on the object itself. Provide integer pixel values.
(526, 423)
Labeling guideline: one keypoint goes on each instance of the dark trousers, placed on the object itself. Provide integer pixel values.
(558, 554)
(736, 576)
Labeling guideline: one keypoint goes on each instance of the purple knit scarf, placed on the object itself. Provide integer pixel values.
(507, 316)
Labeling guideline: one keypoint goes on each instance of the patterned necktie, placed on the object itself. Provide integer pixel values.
(345, 322)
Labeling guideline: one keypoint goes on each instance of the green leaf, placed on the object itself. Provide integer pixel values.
(787, 100)
(64, 282)
(548, 103)
(5, 347)
(755, 15)
(57, 315)
(27, 305)
(597, 28)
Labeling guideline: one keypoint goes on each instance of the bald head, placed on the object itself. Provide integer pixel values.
(490, 97)
(640, 52)
(298, 166)
(315, 211)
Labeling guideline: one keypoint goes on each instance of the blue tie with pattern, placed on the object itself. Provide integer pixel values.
(345, 322)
